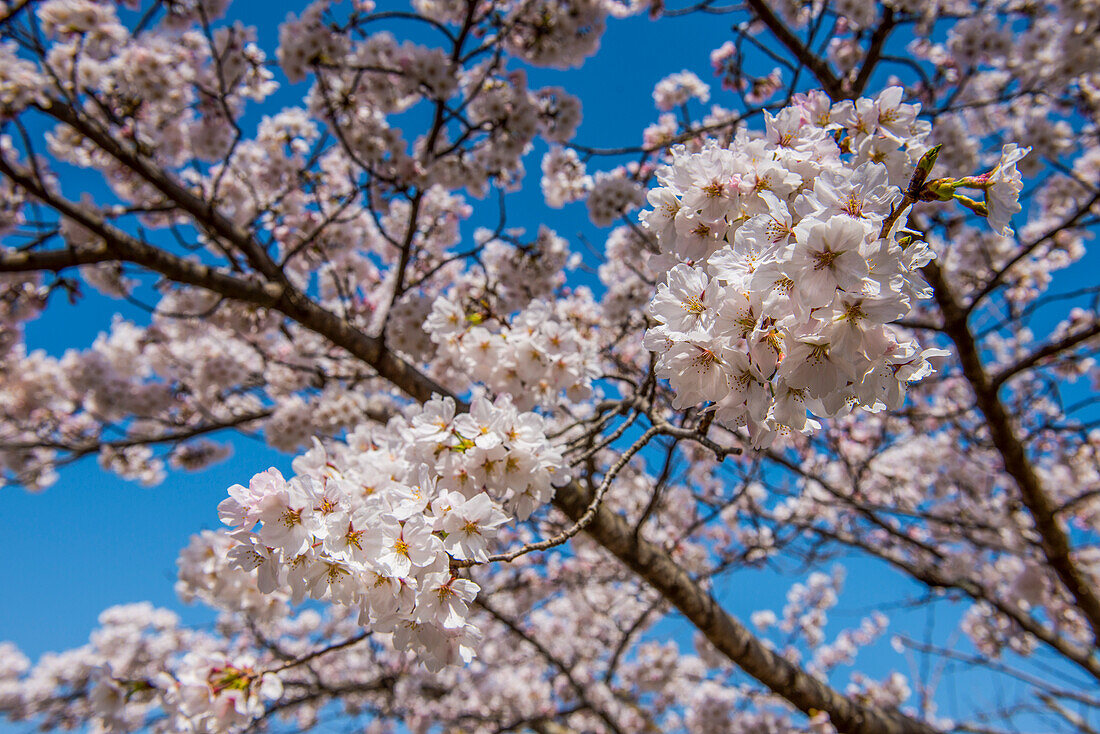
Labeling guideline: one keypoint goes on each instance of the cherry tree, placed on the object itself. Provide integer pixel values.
(824, 321)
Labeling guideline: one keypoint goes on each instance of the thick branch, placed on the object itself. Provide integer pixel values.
(732, 638)
(817, 65)
(1053, 539)
(204, 213)
(280, 297)
(874, 52)
(53, 260)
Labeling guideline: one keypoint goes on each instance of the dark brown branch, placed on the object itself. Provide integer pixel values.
(1053, 538)
(204, 213)
(79, 451)
(817, 65)
(281, 297)
(54, 260)
(728, 635)
(322, 651)
(874, 52)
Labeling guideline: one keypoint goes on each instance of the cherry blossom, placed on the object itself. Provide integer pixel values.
(823, 310)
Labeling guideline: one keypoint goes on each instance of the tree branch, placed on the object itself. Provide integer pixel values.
(203, 212)
(728, 635)
(1053, 538)
(281, 296)
(818, 66)
(874, 52)
(1050, 350)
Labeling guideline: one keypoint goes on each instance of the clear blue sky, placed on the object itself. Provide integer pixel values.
(93, 540)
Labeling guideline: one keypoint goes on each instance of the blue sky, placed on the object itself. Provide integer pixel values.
(93, 540)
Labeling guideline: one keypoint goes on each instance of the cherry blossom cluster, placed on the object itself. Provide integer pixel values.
(564, 177)
(729, 66)
(208, 572)
(215, 692)
(138, 663)
(375, 523)
(531, 271)
(20, 80)
(613, 194)
(677, 89)
(312, 267)
(573, 35)
(92, 46)
(535, 357)
(627, 277)
(805, 616)
(785, 267)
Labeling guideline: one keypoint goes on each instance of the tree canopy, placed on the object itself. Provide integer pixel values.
(832, 309)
